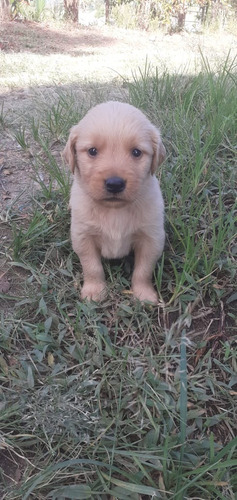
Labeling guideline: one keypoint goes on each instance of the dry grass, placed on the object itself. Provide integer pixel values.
(65, 54)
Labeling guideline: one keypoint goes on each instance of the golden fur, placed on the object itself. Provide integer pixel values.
(111, 224)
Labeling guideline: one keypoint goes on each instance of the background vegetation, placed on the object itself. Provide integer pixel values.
(176, 15)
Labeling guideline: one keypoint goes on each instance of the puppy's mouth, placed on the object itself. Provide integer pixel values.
(113, 199)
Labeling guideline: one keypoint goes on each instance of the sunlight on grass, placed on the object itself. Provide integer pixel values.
(42, 58)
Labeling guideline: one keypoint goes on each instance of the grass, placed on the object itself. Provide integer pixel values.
(65, 54)
(123, 400)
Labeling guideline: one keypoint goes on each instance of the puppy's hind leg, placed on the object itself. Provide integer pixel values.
(94, 287)
(147, 251)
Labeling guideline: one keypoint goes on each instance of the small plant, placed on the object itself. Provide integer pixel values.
(3, 117)
(24, 239)
(60, 117)
(34, 10)
(39, 10)
(55, 173)
(35, 129)
(20, 137)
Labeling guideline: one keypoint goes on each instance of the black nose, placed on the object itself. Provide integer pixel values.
(115, 184)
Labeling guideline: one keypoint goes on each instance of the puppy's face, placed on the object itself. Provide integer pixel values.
(114, 149)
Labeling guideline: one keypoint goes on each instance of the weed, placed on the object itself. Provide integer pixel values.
(55, 174)
(35, 129)
(20, 136)
(61, 116)
(3, 117)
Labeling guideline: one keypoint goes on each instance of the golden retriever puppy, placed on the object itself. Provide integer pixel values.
(116, 201)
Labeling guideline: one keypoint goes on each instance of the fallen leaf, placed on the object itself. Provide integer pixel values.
(3, 365)
(218, 287)
(12, 361)
(51, 359)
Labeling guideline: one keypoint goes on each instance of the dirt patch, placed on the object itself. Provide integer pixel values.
(42, 38)
(12, 467)
(15, 173)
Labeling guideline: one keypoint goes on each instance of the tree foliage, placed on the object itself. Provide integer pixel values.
(143, 14)
(164, 11)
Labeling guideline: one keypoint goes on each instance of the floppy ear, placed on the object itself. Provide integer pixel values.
(69, 152)
(159, 152)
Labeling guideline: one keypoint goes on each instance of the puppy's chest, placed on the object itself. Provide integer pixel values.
(115, 238)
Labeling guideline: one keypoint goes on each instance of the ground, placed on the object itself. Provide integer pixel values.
(38, 61)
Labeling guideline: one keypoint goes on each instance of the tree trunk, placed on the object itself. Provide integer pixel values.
(4, 9)
(107, 11)
(71, 10)
(181, 20)
(204, 13)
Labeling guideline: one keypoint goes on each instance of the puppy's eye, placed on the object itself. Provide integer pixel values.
(92, 151)
(136, 152)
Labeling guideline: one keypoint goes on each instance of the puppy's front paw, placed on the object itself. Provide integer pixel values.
(145, 293)
(93, 291)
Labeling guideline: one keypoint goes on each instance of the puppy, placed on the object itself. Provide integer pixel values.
(116, 201)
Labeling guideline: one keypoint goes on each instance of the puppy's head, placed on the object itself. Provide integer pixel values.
(114, 149)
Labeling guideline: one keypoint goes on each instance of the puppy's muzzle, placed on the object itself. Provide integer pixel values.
(115, 185)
